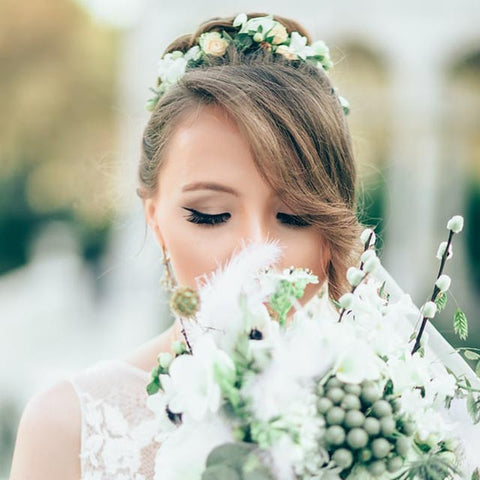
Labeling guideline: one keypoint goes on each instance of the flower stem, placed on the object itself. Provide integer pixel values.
(434, 294)
(365, 248)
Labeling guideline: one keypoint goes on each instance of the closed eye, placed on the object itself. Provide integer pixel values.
(214, 219)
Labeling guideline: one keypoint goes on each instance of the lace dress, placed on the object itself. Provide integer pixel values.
(118, 429)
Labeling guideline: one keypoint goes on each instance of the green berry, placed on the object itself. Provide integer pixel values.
(333, 382)
(387, 425)
(402, 446)
(353, 388)
(357, 438)
(335, 416)
(370, 394)
(320, 390)
(354, 418)
(335, 394)
(324, 404)
(335, 435)
(366, 454)
(408, 428)
(343, 458)
(372, 426)
(351, 402)
(377, 468)
(381, 408)
(380, 448)
(394, 464)
(396, 404)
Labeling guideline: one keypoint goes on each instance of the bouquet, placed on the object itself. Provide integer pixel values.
(338, 390)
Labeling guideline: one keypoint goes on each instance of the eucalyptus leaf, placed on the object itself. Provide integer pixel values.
(230, 454)
(220, 472)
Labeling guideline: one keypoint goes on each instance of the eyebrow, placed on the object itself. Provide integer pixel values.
(217, 187)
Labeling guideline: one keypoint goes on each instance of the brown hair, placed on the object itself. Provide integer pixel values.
(295, 126)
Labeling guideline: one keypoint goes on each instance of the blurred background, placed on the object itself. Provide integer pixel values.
(80, 275)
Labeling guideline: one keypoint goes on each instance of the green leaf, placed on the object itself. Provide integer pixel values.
(441, 301)
(477, 369)
(471, 355)
(220, 472)
(154, 386)
(460, 324)
(473, 407)
(231, 454)
(476, 474)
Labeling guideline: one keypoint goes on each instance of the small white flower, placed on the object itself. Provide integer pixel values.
(287, 52)
(365, 234)
(367, 254)
(443, 282)
(253, 25)
(279, 33)
(212, 43)
(455, 224)
(191, 385)
(298, 45)
(320, 48)
(371, 264)
(193, 53)
(441, 250)
(354, 276)
(346, 300)
(429, 309)
(171, 68)
(165, 359)
(240, 20)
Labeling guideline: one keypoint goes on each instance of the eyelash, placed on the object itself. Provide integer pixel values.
(212, 220)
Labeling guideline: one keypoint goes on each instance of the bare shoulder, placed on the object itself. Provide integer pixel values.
(49, 436)
(144, 356)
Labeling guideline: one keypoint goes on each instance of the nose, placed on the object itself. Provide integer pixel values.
(255, 229)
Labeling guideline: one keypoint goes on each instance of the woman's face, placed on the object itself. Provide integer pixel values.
(211, 197)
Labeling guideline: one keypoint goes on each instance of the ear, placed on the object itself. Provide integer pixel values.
(150, 207)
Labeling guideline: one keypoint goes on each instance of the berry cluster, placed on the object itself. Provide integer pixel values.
(363, 426)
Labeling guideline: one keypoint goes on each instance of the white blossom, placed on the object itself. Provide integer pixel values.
(429, 309)
(455, 224)
(441, 250)
(443, 282)
(355, 276)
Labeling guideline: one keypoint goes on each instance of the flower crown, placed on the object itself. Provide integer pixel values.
(268, 33)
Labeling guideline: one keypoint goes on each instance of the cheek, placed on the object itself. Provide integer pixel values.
(307, 250)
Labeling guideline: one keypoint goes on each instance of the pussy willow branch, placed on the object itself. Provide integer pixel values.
(365, 248)
(434, 294)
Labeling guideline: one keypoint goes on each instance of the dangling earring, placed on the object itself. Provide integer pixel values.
(168, 280)
(184, 301)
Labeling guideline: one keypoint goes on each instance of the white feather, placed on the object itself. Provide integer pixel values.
(219, 291)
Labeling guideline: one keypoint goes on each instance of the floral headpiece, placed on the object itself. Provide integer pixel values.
(268, 33)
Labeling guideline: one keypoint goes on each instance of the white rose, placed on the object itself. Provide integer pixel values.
(212, 43)
(287, 52)
(279, 33)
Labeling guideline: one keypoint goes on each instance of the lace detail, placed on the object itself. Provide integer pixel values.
(118, 429)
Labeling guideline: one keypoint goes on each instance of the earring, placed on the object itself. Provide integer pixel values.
(184, 301)
(168, 280)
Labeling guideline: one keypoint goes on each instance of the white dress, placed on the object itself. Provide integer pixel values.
(117, 428)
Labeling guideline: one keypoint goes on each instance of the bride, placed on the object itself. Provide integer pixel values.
(250, 145)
